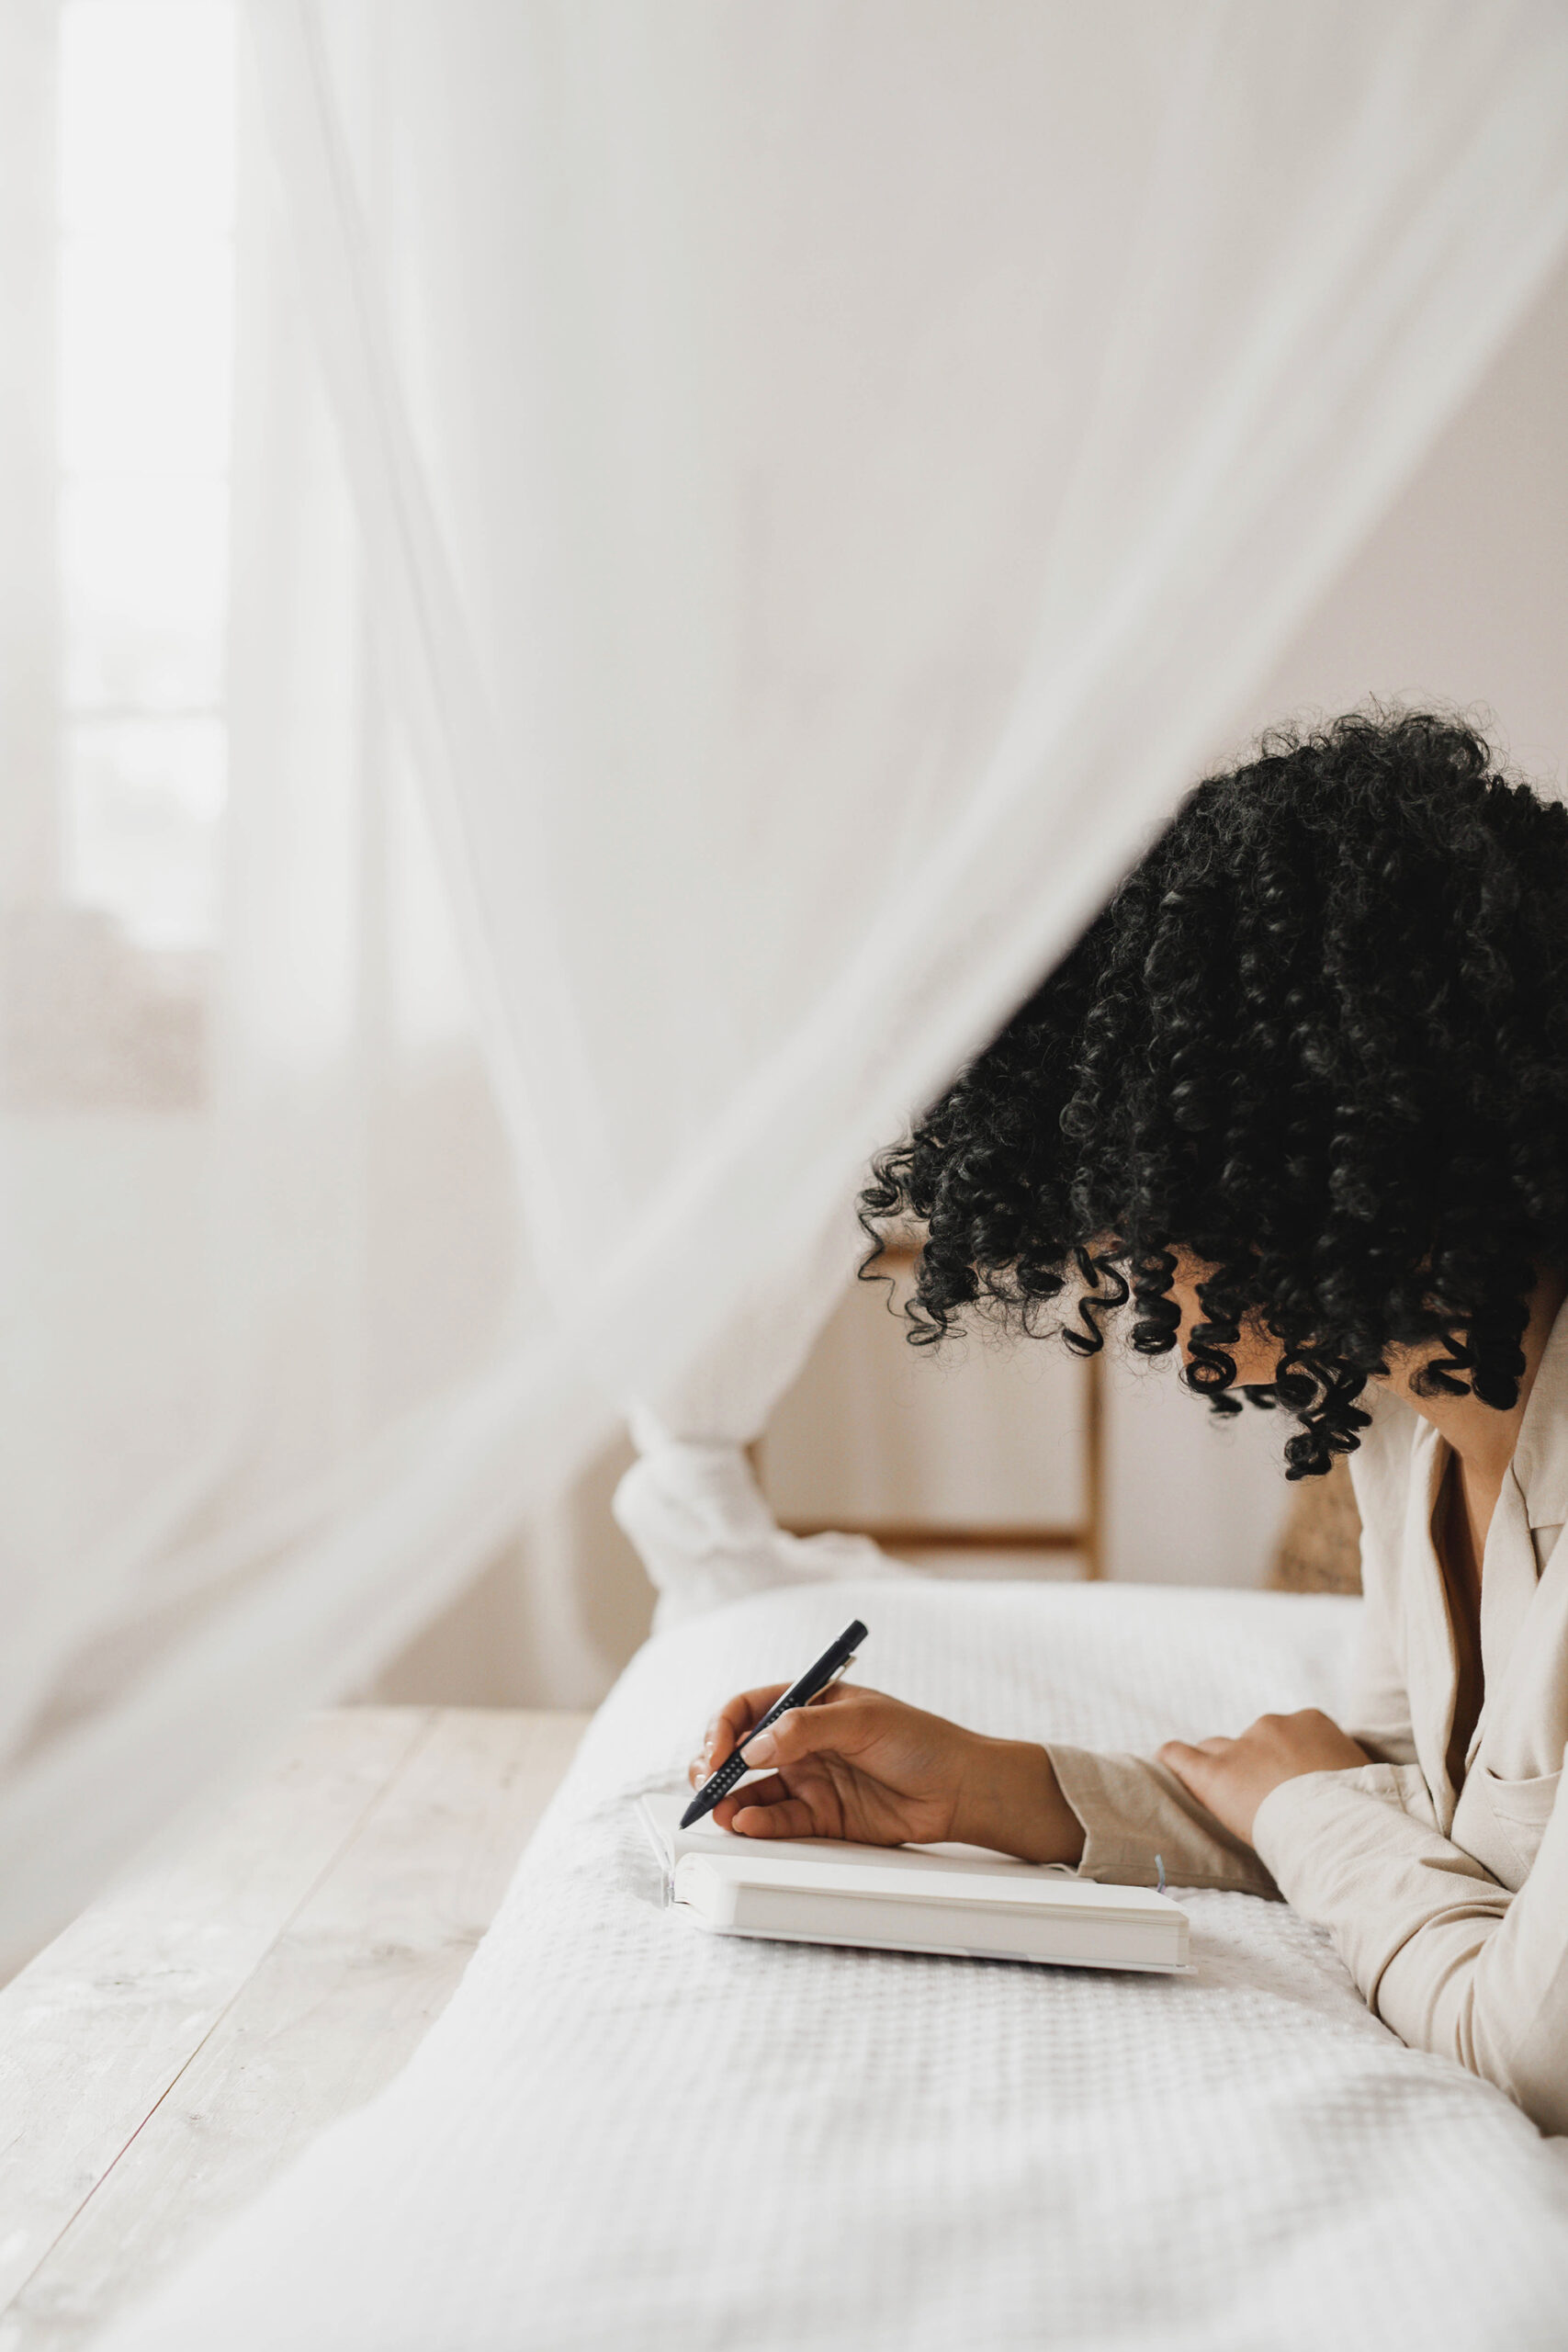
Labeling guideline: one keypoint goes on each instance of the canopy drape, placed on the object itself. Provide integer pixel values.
(804, 488)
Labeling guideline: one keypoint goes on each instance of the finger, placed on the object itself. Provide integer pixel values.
(792, 1818)
(769, 1792)
(844, 1729)
(728, 1728)
(833, 1694)
(732, 1721)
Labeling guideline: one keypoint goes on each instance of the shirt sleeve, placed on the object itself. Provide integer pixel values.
(1133, 1811)
(1443, 1954)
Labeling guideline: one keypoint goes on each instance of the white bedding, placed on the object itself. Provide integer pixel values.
(624, 2134)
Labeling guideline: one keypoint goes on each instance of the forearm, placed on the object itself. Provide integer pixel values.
(1010, 1801)
(1109, 1815)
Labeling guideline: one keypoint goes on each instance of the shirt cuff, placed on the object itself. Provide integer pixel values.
(1136, 1816)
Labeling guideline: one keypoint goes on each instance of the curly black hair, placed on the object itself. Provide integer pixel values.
(1317, 1042)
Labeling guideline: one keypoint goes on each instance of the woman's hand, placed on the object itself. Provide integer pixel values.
(856, 1764)
(1232, 1777)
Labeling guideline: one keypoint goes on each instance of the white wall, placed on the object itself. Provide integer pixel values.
(1461, 593)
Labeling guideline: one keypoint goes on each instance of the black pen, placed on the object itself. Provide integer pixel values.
(812, 1683)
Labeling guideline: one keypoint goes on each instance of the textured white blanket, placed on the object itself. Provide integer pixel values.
(624, 2134)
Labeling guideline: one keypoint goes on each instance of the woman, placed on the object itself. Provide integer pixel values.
(1298, 1103)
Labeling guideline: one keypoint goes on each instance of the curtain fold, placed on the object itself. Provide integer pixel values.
(789, 497)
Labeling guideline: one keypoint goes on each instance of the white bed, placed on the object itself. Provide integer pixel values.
(624, 2133)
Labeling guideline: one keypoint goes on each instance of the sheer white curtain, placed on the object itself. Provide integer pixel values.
(793, 492)
(852, 457)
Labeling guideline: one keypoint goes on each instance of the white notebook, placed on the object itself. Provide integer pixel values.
(959, 1901)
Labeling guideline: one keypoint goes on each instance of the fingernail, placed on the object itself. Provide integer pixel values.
(762, 1749)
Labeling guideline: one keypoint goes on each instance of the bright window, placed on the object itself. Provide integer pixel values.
(146, 312)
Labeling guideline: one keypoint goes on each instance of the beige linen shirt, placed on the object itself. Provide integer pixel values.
(1448, 1903)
